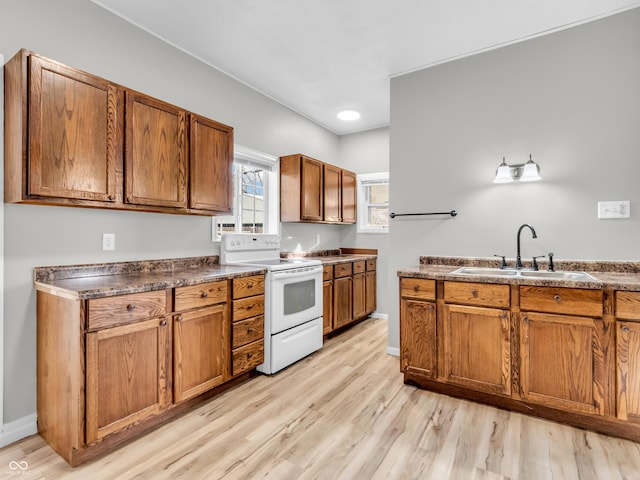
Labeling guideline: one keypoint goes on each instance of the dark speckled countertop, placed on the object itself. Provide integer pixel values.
(330, 257)
(607, 274)
(80, 282)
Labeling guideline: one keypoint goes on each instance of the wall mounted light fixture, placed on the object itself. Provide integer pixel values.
(524, 172)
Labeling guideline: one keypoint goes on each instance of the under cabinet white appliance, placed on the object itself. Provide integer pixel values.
(293, 298)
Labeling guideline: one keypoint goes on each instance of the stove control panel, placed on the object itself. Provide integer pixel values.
(236, 242)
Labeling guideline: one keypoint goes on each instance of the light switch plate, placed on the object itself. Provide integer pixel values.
(614, 209)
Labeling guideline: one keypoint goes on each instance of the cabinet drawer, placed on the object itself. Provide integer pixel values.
(342, 270)
(247, 331)
(248, 286)
(628, 305)
(418, 288)
(200, 295)
(327, 273)
(111, 311)
(371, 265)
(359, 266)
(248, 307)
(572, 301)
(481, 294)
(247, 357)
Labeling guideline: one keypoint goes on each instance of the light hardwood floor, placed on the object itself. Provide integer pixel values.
(344, 413)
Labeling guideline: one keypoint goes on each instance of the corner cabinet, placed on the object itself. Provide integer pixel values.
(75, 139)
(312, 191)
(111, 368)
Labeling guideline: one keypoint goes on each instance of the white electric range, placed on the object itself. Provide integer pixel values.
(293, 297)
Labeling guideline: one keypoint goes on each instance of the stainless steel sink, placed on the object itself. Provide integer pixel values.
(498, 272)
(557, 275)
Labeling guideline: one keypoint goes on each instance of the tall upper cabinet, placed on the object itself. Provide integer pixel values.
(312, 191)
(75, 139)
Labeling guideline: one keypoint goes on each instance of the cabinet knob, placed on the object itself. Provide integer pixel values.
(131, 307)
(557, 298)
(625, 329)
(249, 330)
(250, 307)
(250, 285)
(416, 288)
(110, 197)
(179, 318)
(525, 318)
(163, 323)
(204, 294)
(249, 355)
(474, 293)
(430, 308)
(129, 199)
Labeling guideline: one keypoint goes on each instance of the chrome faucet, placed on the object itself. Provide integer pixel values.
(533, 232)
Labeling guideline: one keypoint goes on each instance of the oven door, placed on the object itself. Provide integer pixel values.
(295, 297)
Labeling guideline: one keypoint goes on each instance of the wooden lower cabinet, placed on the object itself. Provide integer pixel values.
(477, 350)
(111, 368)
(126, 375)
(562, 361)
(628, 371)
(327, 307)
(370, 292)
(418, 354)
(200, 346)
(359, 298)
(342, 301)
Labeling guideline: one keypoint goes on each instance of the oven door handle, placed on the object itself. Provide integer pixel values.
(297, 272)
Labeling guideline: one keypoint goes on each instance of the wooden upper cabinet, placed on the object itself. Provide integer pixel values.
(75, 128)
(155, 153)
(332, 193)
(348, 197)
(314, 191)
(210, 165)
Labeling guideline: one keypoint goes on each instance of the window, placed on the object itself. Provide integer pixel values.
(373, 202)
(255, 195)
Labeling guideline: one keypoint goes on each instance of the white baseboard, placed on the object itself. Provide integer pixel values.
(393, 351)
(18, 429)
(383, 316)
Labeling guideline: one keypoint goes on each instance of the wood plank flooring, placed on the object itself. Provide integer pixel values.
(343, 413)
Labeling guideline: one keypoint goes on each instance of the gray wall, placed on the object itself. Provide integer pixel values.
(572, 99)
(83, 35)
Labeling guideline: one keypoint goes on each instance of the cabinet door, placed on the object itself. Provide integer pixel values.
(418, 338)
(200, 351)
(477, 348)
(75, 129)
(126, 376)
(332, 193)
(348, 197)
(359, 296)
(327, 307)
(210, 165)
(562, 362)
(311, 189)
(628, 359)
(342, 301)
(370, 292)
(155, 153)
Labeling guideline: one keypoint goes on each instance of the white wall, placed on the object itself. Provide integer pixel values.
(83, 35)
(572, 99)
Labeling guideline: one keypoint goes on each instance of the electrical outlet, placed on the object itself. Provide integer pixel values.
(614, 209)
(108, 242)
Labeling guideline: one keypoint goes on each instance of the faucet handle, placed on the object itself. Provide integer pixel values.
(534, 262)
(504, 262)
(550, 255)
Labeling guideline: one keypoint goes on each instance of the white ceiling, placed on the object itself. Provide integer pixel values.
(321, 56)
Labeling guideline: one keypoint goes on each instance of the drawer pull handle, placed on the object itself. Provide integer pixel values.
(130, 307)
(416, 288)
(204, 294)
(557, 298)
(625, 329)
(163, 323)
(474, 293)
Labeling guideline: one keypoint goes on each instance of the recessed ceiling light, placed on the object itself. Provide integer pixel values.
(349, 115)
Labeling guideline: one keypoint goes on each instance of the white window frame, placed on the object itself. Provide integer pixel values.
(362, 181)
(271, 164)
